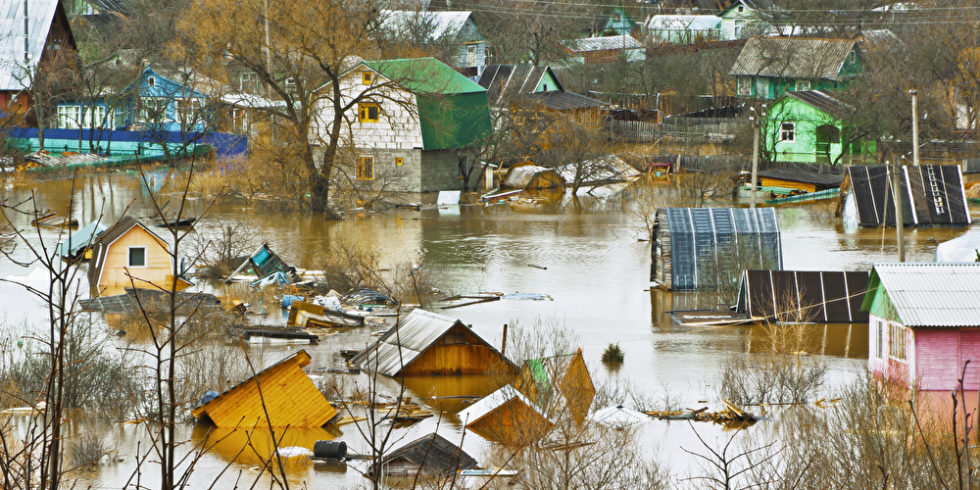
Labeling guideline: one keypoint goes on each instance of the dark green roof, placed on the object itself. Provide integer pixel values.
(425, 75)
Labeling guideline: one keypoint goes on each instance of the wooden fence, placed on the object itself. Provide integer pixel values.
(687, 129)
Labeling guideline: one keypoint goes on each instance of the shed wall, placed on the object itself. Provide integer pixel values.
(158, 270)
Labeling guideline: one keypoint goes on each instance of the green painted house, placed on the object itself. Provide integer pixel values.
(810, 126)
(618, 23)
(767, 68)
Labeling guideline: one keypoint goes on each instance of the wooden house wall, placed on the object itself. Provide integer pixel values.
(158, 270)
(458, 352)
(290, 397)
(803, 186)
(578, 389)
(513, 423)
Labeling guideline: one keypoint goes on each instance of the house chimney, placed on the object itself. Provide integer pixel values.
(503, 343)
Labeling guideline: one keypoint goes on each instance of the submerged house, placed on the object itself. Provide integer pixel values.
(529, 177)
(457, 28)
(33, 31)
(563, 380)
(430, 455)
(131, 255)
(417, 125)
(508, 417)
(283, 391)
(931, 195)
(427, 344)
(767, 68)
(803, 296)
(791, 178)
(705, 248)
(809, 126)
(924, 324)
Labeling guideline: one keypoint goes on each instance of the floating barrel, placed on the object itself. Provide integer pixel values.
(330, 449)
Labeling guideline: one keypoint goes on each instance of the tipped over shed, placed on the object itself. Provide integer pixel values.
(425, 343)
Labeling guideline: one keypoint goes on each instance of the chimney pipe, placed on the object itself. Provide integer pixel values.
(503, 344)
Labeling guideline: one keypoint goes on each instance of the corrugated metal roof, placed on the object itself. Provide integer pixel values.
(603, 43)
(793, 58)
(823, 101)
(930, 294)
(40, 14)
(406, 341)
(684, 23)
(424, 75)
(508, 82)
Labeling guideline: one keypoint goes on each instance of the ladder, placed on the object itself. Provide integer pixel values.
(937, 197)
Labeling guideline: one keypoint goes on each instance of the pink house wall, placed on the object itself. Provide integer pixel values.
(940, 355)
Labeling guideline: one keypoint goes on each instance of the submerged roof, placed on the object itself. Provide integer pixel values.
(494, 401)
(793, 57)
(932, 195)
(929, 294)
(803, 296)
(81, 239)
(603, 43)
(40, 15)
(410, 338)
(432, 454)
(804, 176)
(424, 75)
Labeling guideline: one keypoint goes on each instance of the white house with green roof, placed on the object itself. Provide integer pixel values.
(741, 19)
(415, 128)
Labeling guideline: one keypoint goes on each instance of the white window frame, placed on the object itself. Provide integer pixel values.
(897, 342)
(69, 116)
(129, 258)
(787, 134)
(743, 86)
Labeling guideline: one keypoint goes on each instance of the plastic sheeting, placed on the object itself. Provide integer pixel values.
(963, 249)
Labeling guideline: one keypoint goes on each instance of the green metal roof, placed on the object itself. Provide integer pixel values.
(425, 75)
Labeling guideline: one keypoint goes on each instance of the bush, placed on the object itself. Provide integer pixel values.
(613, 354)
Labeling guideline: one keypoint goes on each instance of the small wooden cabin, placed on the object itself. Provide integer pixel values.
(701, 248)
(130, 255)
(430, 455)
(530, 177)
(428, 344)
(567, 375)
(508, 417)
(924, 324)
(290, 397)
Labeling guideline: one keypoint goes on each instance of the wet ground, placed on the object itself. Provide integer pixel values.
(587, 258)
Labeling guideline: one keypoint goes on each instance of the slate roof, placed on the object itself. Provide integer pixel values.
(822, 100)
(561, 101)
(508, 82)
(930, 294)
(406, 341)
(603, 43)
(40, 16)
(432, 454)
(793, 58)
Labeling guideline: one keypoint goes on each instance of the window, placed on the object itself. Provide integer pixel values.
(151, 82)
(741, 9)
(289, 85)
(787, 132)
(367, 78)
(471, 55)
(852, 57)
(399, 161)
(249, 82)
(137, 257)
(189, 110)
(803, 85)
(69, 116)
(365, 168)
(744, 87)
(878, 328)
(367, 112)
(896, 342)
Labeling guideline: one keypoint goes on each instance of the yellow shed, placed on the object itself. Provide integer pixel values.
(568, 375)
(290, 397)
(506, 416)
(129, 255)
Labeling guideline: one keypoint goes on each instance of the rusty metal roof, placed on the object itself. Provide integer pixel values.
(931, 294)
(793, 58)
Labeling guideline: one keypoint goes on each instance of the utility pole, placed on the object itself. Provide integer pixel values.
(915, 127)
(899, 216)
(756, 124)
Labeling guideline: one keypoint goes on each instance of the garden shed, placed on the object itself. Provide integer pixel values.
(429, 455)
(508, 417)
(924, 324)
(803, 296)
(529, 177)
(423, 343)
(567, 375)
(705, 248)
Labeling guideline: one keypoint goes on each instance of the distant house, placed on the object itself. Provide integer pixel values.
(924, 324)
(617, 23)
(932, 195)
(283, 392)
(154, 101)
(608, 49)
(455, 27)
(769, 67)
(741, 19)
(427, 344)
(130, 255)
(684, 29)
(25, 42)
(706, 248)
(803, 296)
(810, 126)
(529, 87)
(419, 136)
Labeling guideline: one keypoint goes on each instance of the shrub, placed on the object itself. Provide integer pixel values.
(613, 354)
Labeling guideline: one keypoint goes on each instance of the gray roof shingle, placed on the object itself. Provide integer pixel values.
(793, 58)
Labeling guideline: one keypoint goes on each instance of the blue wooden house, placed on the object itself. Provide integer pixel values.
(154, 101)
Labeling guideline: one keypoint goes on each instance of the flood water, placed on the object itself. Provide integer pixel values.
(587, 258)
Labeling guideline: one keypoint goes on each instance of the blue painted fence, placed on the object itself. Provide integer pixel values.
(226, 145)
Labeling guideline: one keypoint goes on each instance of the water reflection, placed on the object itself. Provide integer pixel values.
(254, 445)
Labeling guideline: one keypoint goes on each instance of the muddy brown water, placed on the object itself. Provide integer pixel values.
(587, 257)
